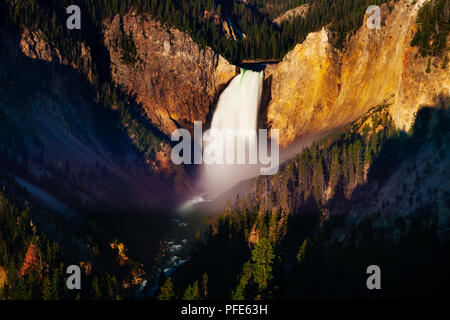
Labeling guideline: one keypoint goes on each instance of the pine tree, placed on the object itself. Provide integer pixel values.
(318, 180)
(262, 259)
(205, 286)
(96, 287)
(192, 292)
(166, 292)
(55, 286)
(302, 252)
(273, 226)
(244, 278)
(47, 289)
(335, 169)
(428, 69)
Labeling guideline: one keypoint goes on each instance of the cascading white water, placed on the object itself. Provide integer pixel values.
(238, 104)
(237, 109)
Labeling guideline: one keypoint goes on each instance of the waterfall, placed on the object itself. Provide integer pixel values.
(238, 104)
(237, 109)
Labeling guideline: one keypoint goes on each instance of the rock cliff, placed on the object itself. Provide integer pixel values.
(49, 109)
(292, 14)
(318, 88)
(173, 79)
(35, 45)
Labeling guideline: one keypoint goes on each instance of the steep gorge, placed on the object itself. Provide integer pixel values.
(52, 126)
(59, 140)
(315, 89)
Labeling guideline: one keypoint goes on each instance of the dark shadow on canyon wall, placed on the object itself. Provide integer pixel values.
(264, 106)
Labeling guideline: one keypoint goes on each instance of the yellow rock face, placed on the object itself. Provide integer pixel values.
(304, 87)
(317, 88)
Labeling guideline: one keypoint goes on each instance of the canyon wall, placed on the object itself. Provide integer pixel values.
(173, 79)
(51, 120)
(34, 44)
(317, 88)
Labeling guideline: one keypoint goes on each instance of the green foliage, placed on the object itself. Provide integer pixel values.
(263, 39)
(128, 49)
(146, 139)
(205, 286)
(192, 292)
(301, 256)
(21, 245)
(200, 18)
(43, 277)
(257, 273)
(335, 168)
(334, 249)
(434, 25)
(97, 293)
(262, 260)
(428, 69)
(166, 291)
(318, 182)
(244, 278)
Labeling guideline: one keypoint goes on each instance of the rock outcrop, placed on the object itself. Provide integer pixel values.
(317, 88)
(35, 45)
(30, 262)
(230, 30)
(305, 86)
(292, 14)
(173, 79)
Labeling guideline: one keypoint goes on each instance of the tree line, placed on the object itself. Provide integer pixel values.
(282, 240)
(35, 266)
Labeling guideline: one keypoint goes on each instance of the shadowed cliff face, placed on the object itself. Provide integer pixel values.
(317, 88)
(67, 145)
(172, 78)
(292, 14)
(34, 45)
(164, 71)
